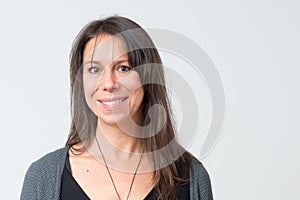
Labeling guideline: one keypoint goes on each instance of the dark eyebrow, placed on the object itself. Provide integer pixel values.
(120, 61)
(98, 63)
(91, 62)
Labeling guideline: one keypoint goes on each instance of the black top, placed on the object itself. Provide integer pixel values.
(70, 189)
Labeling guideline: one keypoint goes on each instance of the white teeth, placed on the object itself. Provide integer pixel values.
(111, 103)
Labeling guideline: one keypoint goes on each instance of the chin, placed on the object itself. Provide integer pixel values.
(113, 119)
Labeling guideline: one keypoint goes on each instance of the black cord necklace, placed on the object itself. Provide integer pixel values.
(111, 178)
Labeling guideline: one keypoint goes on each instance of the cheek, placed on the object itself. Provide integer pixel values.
(135, 88)
(88, 88)
(139, 93)
(136, 99)
(131, 82)
(89, 83)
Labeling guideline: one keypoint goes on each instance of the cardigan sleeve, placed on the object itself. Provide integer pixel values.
(200, 188)
(43, 177)
(31, 184)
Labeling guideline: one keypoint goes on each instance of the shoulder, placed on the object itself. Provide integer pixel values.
(52, 158)
(198, 171)
(42, 173)
(49, 162)
(200, 181)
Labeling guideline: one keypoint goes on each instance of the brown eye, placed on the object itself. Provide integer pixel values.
(94, 70)
(124, 68)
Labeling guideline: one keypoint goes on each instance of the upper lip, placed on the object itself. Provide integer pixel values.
(108, 99)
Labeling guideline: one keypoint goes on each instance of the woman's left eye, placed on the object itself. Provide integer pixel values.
(124, 68)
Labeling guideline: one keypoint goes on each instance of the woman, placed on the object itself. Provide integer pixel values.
(122, 138)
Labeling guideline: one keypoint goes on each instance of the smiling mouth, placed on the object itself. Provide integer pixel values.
(112, 102)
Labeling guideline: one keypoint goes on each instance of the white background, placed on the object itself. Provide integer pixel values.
(254, 44)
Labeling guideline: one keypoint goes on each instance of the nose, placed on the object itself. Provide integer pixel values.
(107, 80)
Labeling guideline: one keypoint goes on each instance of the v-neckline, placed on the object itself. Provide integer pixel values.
(150, 196)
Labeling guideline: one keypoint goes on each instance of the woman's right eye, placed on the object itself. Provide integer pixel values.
(94, 70)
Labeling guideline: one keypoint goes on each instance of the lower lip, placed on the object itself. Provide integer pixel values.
(113, 107)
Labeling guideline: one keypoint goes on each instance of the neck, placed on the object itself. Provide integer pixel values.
(121, 151)
(116, 140)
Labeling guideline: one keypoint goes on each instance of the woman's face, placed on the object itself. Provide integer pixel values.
(113, 90)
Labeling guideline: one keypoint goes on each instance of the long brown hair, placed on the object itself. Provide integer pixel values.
(84, 121)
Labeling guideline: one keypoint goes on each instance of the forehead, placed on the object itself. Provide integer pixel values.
(104, 48)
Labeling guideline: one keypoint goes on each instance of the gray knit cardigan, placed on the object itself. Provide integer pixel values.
(43, 178)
